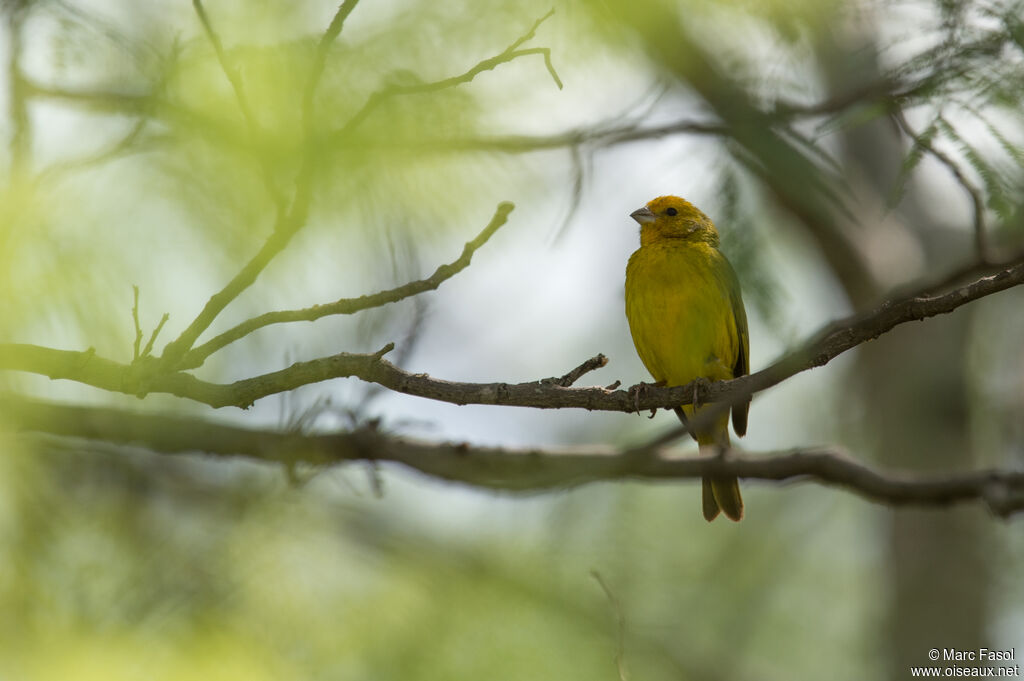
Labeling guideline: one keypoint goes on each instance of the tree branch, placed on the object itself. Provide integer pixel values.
(156, 332)
(522, 144)
(137, 346)
(831, 341)
(229, 72)
(514, 470)
(287, 223)
(975, 194)
(104, 101)
(848, 333)
(320, 57)
(198, 355)
(595, 362)
(510, 53)
(608, 134)
(20, 144)
(316, 71)
(124, 146)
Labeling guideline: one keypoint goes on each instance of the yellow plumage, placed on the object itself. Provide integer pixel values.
(687, 319)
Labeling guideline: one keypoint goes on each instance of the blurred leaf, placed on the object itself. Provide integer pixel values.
(913, 158)
(994, 183)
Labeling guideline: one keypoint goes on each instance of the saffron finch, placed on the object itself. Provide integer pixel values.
(687, 320)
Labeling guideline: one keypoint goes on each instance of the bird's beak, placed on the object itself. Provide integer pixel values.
(642, 215)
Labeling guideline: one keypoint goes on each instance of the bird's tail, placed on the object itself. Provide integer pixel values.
(722, 494)
(719, 494)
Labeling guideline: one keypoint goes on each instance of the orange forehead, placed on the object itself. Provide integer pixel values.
(682, 206)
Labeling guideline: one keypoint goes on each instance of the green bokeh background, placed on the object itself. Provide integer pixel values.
(129, 163)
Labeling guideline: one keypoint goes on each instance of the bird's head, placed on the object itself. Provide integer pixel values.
(670, 217)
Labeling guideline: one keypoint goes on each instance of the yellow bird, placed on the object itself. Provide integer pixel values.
(687, 319)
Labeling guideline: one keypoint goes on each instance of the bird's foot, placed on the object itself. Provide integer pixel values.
(700, 384)
(640, 390)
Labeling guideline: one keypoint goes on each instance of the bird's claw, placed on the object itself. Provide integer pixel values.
(700, 384)
(640, 389)
(635, 391)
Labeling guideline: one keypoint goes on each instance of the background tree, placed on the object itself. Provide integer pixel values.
(184, 183)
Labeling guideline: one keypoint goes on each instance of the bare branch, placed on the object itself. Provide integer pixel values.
(234, 77)
(320, 57)
(531, 33)
(197, 356)
(620, 626)
(546, 51)
(17, 97)
(579, 173)
(885, 91)
(510, 53)
(845, 334)
(122, 147)
(230, 72)
(521, 144)
(286, 225)
(595, 362)
(173, 113)
(135, 318)
(831, 341)
(975, 194)
(156, 332)
(609, 134)
(515, 470)
(91, 100)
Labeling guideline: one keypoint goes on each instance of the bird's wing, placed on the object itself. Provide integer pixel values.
(742, 366)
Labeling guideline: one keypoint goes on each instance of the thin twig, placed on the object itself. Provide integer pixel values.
(972, 268)
(156, 332)
(233, 76)
(20, 145)
(122, 147)
(288, 221)
(531, 33)
(884, 91)
(523, 144)
(511, 53)
(407, 346)
(135, 318)
(595, 362)
(609, 134)
(91, 100)
(975, 194)
(229, 71)
(579, 173)
(620, 626)
(197, 356)
(320, 59)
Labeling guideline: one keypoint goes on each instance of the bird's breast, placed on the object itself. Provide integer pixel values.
(680, 313)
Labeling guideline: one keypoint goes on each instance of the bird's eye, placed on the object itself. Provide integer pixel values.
(672, 211)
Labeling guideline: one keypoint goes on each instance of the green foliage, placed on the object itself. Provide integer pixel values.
(152, 167)
(196, 158)
(172, 567)
(743, 242)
